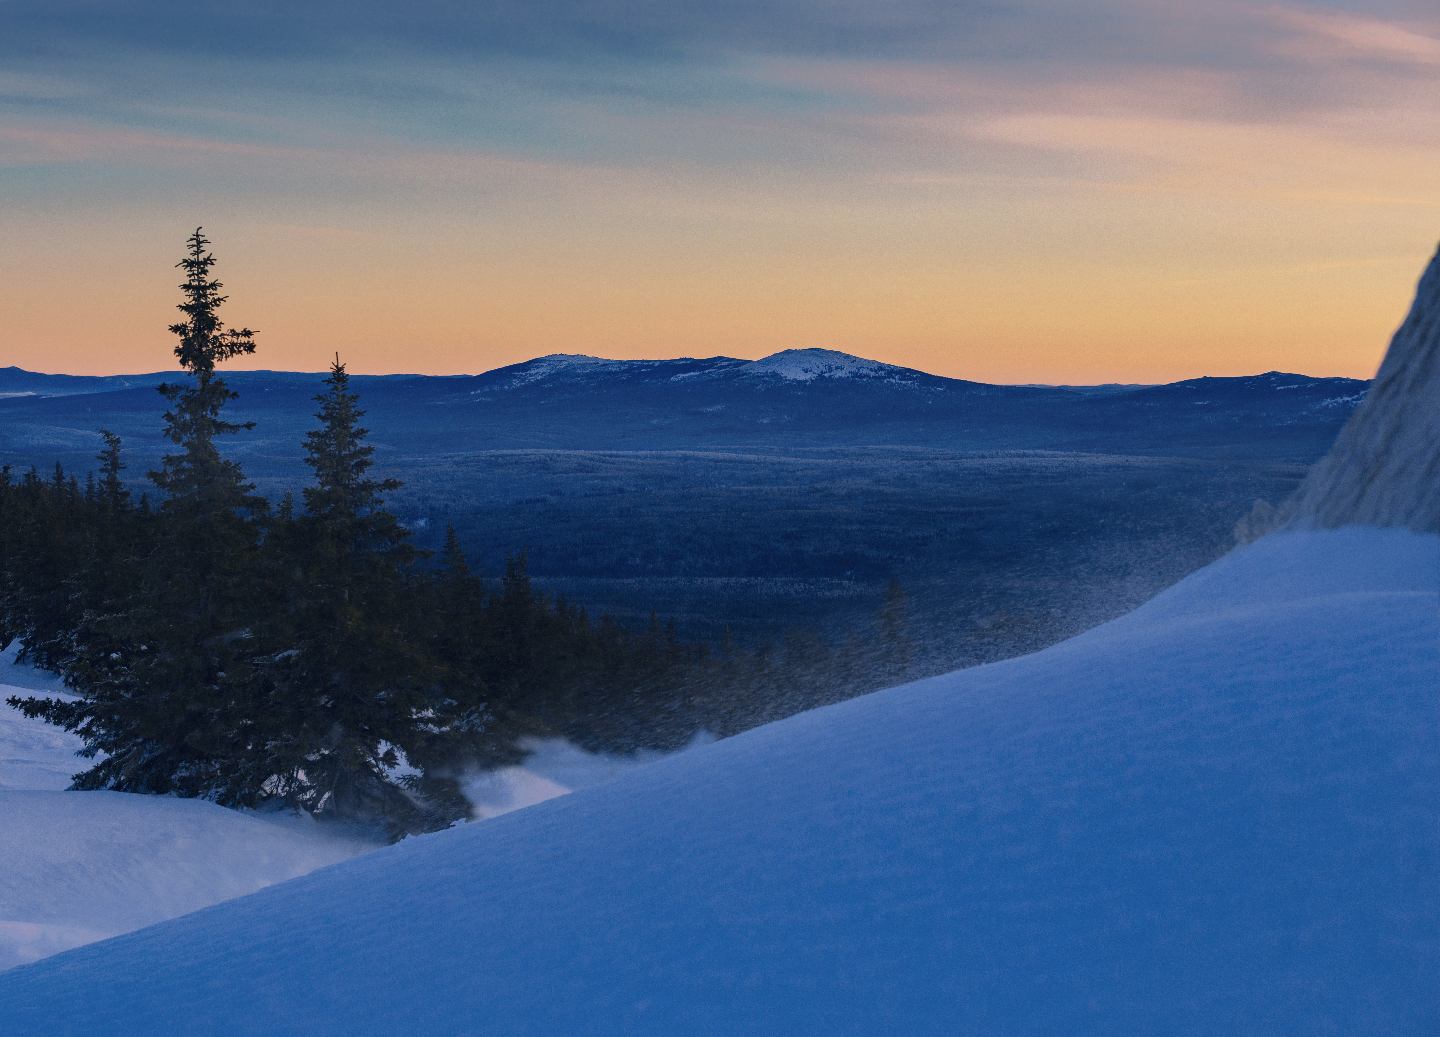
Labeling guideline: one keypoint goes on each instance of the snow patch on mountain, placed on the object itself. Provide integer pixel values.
(564, 364)
(806, 365)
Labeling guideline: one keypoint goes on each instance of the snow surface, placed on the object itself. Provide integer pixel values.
(84, 866)
(1219, 814)
(76, 867)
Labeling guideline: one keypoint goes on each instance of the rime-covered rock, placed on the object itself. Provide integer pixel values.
(1384, 469)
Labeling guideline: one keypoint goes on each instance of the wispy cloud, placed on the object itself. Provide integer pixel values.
(1368, 36)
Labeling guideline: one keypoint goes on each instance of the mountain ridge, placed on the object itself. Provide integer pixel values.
(790, 365)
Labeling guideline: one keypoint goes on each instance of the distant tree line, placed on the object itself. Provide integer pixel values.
(306, 654)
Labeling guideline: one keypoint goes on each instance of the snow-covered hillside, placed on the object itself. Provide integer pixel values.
(1218, 814)
(76, 867)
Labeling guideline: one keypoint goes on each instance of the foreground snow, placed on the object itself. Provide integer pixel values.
(1219, 814)
(83, 866)
(76, 867)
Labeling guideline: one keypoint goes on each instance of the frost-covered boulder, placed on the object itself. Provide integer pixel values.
(1384, 469)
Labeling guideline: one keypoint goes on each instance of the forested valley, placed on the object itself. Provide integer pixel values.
(307, 655)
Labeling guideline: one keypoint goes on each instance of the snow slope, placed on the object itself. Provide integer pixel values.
(1219, 814)
(83, 866)
(76, 867)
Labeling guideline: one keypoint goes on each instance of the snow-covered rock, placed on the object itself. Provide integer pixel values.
(1384, 469)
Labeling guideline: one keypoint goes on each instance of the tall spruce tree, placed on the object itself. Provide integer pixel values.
(161, 669)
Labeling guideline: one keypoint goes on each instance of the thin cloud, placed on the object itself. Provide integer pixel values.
(1367, 36)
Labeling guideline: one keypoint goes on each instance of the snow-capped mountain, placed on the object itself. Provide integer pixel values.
(806, 365)
(791, 365)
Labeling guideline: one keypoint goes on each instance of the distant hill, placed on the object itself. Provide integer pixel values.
(757, 496)
(793, 399)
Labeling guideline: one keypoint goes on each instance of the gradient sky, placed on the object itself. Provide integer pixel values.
(1048, 191)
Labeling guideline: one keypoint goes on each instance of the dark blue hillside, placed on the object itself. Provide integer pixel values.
(762, 496)
(719, 403)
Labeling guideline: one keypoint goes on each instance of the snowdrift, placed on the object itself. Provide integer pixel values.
(76, 867)
(83, 866)
(1218, 814)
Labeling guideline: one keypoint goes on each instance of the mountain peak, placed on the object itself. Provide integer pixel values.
(805, 365)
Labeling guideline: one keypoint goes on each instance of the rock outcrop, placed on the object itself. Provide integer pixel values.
(1384, 469)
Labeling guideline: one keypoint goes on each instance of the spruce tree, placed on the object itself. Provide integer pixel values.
(159, 665)
(349, 683)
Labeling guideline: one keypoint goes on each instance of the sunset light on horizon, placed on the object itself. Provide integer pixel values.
(1111, 191)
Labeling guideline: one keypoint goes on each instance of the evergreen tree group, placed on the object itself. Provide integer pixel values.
(307, 654)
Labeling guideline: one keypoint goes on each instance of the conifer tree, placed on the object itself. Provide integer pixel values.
(159, 668)
(199, 480)
(351, 683)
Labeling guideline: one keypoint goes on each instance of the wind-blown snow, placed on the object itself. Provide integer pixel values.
(76, 867)
(552, 767)
(1218, 814)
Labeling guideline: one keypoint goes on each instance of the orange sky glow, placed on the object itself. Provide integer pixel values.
(1142, 223)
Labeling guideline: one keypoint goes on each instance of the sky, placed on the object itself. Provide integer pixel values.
(1063, 191)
